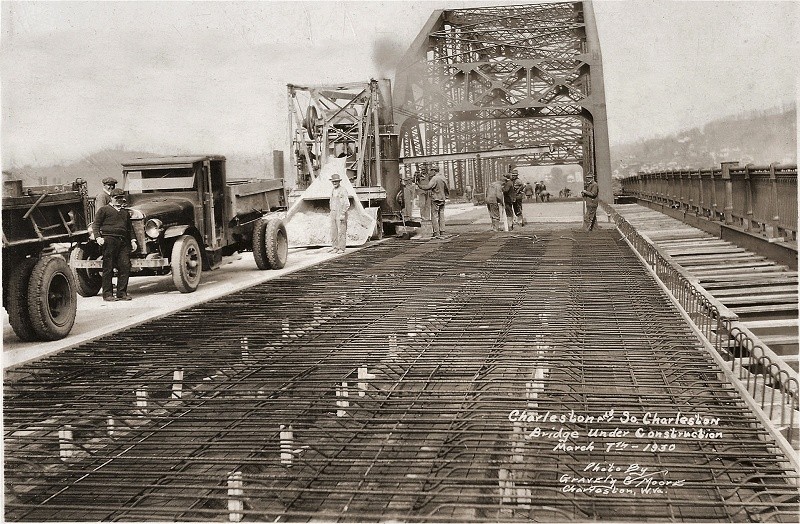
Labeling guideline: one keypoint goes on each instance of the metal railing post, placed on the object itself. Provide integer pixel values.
(773, 202)
(748, 226)
(701, 205)
(726, 176)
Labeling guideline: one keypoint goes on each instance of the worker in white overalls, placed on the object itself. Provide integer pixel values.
(340, 204)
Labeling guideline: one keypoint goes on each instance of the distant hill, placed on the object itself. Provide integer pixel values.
(757, 137)
(109, 162)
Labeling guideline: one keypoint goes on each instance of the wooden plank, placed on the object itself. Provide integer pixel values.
(760, 299)
(752, 276)
(741, 270)
(705, 251)
(778, 340)
(713, 241)
(722, 259)
(767, 324)
(752, 290)
(725, 284)
(732, 265)
(778, 308)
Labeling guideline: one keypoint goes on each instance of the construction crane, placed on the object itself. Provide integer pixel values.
(346, 129)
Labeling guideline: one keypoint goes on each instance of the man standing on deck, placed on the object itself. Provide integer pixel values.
(494, 199)
(519, 194)
(509, 197)
(439, 191)
(112, 231)
(590, 194)
(340, 204)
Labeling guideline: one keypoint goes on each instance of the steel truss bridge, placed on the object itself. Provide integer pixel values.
(539, 375)
(526, 80)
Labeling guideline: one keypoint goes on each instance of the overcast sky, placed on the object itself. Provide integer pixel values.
(178, 77)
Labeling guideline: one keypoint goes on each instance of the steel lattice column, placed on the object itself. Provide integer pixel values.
(509, 77)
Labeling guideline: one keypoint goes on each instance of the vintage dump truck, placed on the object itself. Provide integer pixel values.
(39, 224)
(186, 216)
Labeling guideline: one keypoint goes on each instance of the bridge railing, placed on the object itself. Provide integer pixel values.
(759, 199)
(772, 385)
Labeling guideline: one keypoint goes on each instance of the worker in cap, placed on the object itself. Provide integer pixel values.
(509, 197)
(590, 194)
(519, 195)
(340, 204)
(439, 190)
(111, 229)
(104, 197)
(494, 201)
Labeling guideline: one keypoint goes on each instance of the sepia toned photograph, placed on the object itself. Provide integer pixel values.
(395, 261)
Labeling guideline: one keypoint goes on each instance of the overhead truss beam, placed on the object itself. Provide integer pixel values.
(505, 78)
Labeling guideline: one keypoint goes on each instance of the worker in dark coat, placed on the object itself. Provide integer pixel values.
(590, 195)
(103, 198)
(494, 199)
(439, 191)
(112, 231)
(509, 197)
(528, 191)
(519, 195)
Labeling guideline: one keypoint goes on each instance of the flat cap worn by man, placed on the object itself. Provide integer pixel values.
(104, 197)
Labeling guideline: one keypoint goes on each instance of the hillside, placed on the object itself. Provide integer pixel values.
(759, 138)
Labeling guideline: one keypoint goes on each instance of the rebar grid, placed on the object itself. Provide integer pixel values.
(384, 385)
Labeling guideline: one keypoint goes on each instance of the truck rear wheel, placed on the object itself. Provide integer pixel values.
(17, 300)
(276, 243)
(52, 299)
(259, 244)
(270, 243)
(89, 281)
(187, 264)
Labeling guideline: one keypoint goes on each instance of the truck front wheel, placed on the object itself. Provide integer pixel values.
(89, 281)
(52, 299)
(17, 299)
(187, 264)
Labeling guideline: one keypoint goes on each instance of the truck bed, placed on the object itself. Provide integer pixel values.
(46, 217)
(250, 197)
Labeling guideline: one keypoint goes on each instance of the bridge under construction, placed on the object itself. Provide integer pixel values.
(643, 371)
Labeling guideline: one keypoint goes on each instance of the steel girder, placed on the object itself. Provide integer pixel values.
(507, 77)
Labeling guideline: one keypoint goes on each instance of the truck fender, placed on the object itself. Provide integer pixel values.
(176, 231)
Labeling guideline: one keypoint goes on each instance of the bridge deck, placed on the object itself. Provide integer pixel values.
(487, 377)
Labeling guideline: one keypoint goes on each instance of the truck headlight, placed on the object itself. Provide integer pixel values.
(153, 228)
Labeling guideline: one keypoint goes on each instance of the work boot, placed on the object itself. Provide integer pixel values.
(124, 297)
(109, 298)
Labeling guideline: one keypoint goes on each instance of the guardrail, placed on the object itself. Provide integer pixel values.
(770, 382)
(759, 199)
